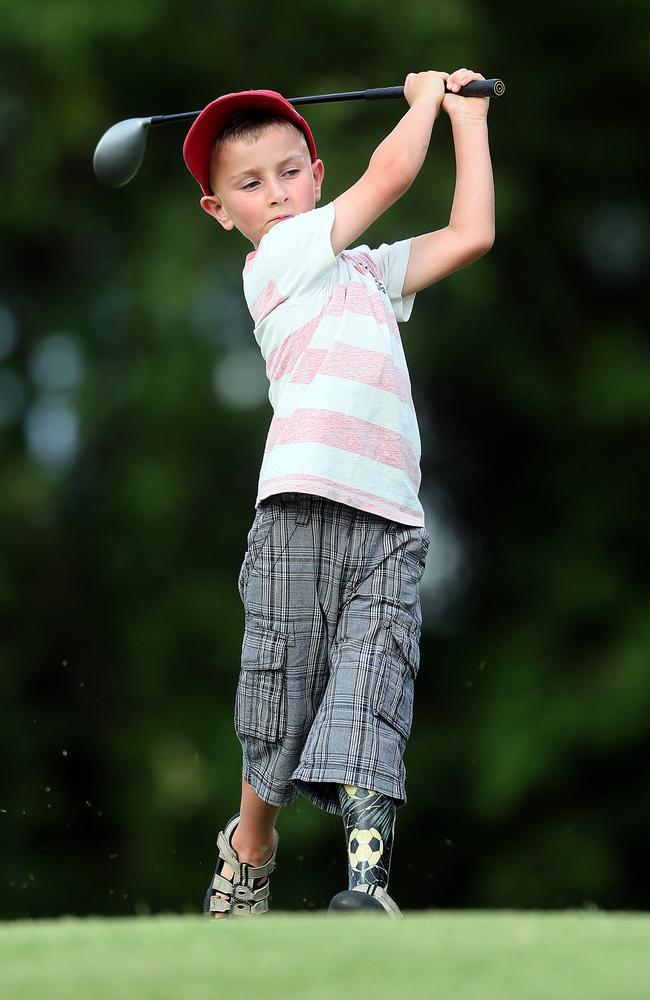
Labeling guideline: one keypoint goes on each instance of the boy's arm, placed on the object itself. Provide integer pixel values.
(470, 232)
(395, 163)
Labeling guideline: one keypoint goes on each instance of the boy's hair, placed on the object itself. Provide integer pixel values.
(247, 126)
(251, 124)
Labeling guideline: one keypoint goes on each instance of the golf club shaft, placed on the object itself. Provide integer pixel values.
(119, 152)
(476, 88)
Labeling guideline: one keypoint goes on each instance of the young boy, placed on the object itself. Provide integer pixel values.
(331, 575)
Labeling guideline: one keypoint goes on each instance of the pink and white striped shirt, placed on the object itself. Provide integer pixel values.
(344, 425)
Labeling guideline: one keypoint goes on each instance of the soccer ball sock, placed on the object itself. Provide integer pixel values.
(369, 824)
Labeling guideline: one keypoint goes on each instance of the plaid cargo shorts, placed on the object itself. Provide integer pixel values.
(330, 650)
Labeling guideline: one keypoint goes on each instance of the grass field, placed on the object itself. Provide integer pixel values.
(449, 956)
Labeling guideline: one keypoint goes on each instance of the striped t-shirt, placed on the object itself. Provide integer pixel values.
(344, 425)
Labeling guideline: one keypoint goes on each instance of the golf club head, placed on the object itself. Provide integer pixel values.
(120, 150)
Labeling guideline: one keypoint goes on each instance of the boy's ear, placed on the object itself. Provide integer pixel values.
(212, 205)
(318, 171)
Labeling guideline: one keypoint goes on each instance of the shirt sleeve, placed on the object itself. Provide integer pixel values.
(392, 261)
(296, 254)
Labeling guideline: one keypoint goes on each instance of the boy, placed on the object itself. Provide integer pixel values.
(331, 575)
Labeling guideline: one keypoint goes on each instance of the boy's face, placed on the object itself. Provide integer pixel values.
(259, 182)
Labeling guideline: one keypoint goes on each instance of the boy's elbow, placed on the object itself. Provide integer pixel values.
(484, 244)
(475, 241)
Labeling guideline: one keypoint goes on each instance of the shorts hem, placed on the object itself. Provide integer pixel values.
(308, 781)
(268, 793)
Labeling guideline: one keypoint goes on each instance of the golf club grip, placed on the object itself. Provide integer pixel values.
(475, 88)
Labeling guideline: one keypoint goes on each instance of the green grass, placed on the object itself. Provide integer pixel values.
(448, 956)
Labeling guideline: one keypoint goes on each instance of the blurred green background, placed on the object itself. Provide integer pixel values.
(133, 415)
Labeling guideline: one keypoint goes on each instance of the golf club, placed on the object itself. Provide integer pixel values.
(120, 150)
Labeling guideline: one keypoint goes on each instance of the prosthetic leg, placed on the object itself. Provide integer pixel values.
(369, 824)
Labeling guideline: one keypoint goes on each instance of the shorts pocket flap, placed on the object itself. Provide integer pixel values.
(263, 649)
(409, 647)
(261, 697)
(394, 701)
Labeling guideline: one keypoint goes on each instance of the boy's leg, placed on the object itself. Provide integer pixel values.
(253, 840)
(369, 823)
(254, 833)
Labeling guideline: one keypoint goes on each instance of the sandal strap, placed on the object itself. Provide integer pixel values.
(219, 905)
(244, 894)
(247, 892)
(249, 909)
(245, 872)
(241, 906)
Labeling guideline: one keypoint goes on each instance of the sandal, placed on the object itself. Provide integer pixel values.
(245, 899)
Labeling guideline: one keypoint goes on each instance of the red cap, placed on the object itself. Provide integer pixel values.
(199, 141)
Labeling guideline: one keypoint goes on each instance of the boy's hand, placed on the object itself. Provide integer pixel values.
(429, 86)
(464, 109)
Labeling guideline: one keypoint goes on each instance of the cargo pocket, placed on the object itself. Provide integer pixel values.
(395, 690)
(418, 559)
(261, 698)
(259, 532)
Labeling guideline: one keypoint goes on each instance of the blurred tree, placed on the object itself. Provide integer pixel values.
(133, 413)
